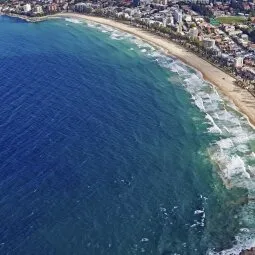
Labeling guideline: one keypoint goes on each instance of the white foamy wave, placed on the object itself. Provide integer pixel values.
(91, 24)
(76, 21)
(199, 103)
(235, 167)
(114, 33)
(245, 240)
(233, 152)
(104, 28)
(198, 212)
(141, 44)
(200, 223)
(214, 128)
(118, 35)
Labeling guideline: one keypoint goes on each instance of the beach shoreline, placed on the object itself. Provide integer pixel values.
(222, 81)
(241, 98)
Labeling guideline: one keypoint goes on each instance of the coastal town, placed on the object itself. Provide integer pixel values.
(221, 32)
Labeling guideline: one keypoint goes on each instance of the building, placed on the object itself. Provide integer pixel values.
(208, 43)
(136, 3)
(187, 18)
(203, 2)
(38, 9)
(235, 32)
(229, 28)
(245, 37)
(59, 1)
(238, 62)
(80, 7)
(27, 7)
(179, 28)
(52, 7)
(178, 16)
(65, 6)
(171, 20)
(193, 32)
(164, 22)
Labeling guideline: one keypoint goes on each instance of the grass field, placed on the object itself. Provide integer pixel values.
(231, 19)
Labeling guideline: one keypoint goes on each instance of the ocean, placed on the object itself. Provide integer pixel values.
(108, 146)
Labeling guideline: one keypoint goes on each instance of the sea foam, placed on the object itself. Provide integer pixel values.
(232, 152)
(76, 21)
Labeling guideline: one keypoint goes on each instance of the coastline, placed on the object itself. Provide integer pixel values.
(241, 98)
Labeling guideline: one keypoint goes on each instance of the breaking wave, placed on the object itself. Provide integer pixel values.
(232, 152)
(75, 21)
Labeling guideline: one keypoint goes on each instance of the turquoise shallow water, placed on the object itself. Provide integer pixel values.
(107, 146)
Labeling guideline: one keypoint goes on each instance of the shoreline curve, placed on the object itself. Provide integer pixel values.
(241, 98)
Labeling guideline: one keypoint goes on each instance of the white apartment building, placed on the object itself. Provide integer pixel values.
(27, 7)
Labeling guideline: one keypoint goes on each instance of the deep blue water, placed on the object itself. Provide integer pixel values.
(101, 150)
